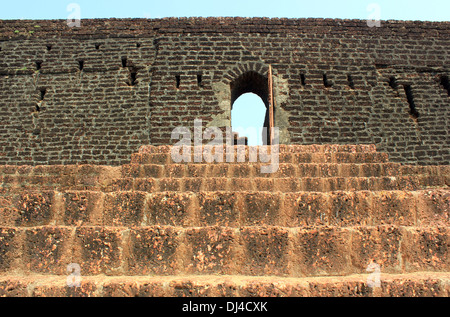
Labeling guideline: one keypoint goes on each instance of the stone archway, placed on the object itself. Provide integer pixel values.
(251, 77)
(252, 82)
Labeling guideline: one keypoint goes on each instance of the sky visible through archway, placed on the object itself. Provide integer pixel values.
(247, 117)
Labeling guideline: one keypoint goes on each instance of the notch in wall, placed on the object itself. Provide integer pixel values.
(382, 65)
(132, 77)
(38, 65)
(124, 61)
(177, 81)
(393, 82)
(412, 105)
(303, 79)
(49, 47)
(156, 44)
(43, 91)
(326, 82)
(350, 81)
(80, 65)
(199, 80)
(445, 84)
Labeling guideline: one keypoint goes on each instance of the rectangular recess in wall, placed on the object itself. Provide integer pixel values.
(393, 82)
(177, 81)
(326, 81)
(124, 62)
(303, 79)
(445, 83)
(133, 77)
(43, 92)
(351, 83)
(412, 106)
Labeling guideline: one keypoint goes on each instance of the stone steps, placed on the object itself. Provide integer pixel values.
(157, 227)
(254, 170)
(420, 284)
(293, 158)
(90, 177)
(196, 184)
(282, 148)
(71, 174)
(249, 250)
(225, 208)
(281, 184)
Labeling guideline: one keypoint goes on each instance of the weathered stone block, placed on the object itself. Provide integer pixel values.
(153, 251)
(47, 249)
(124, 208)
(82, 208)
(98, 250)
(211, 251)
(267, 251)
(34, 209)
(170, 208)
(218, 209)
(323, 251)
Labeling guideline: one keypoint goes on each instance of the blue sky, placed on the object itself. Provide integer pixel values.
(249, 110)
(433, 10)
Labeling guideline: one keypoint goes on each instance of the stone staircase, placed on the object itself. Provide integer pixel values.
(158, 228)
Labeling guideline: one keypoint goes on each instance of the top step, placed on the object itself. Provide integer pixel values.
(255, 157)
(326, 153)
(283, 148)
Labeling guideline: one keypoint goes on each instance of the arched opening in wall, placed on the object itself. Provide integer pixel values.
(249, 107)
(247, 118)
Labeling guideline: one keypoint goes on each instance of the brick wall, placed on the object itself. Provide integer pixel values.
(94, 94)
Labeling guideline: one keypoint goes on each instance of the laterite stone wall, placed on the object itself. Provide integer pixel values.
(95, 94)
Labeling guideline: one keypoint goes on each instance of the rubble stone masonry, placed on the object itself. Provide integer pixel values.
(95, 94)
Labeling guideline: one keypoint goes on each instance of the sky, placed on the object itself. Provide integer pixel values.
(248, 110)
(432, 10)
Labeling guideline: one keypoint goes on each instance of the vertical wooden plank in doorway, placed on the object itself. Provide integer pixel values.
(271, 103)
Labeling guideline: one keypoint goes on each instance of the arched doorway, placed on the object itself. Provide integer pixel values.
(255, 84)
(247, 117)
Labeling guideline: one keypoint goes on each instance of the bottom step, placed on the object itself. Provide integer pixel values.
(420, 284)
